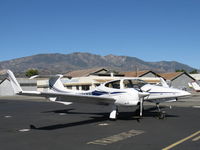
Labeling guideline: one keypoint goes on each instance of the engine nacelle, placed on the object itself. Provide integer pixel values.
(128, 99)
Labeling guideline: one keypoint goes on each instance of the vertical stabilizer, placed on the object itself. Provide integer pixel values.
(14, 83)
(56, 84)
(164, 83)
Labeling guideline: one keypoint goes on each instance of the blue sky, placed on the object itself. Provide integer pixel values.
(152, 30)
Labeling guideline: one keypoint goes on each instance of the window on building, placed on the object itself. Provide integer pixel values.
(77, 87)
(85, 87)
(97, 84)
(69, 87)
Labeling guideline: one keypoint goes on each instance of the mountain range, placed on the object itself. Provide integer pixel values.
(63, 63)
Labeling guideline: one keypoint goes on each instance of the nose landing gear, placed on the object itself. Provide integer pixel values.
(114, 113)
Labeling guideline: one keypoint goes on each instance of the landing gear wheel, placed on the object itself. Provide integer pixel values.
(137, 113)
(161, 115)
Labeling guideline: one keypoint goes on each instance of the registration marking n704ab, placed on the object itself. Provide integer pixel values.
(116, 138)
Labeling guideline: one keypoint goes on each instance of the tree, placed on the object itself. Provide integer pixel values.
(194, 71)
(31, 72)
(180, 70)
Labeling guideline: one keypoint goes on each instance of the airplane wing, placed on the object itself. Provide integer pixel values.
(67, 97)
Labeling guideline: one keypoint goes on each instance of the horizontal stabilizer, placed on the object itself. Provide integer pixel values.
(195, 86)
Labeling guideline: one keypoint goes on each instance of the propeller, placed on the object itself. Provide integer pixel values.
(141, 99)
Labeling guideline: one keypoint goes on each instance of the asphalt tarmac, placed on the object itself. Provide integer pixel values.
(35, 124)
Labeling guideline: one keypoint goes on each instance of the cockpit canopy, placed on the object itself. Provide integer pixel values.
(126, 83)
(113, 84)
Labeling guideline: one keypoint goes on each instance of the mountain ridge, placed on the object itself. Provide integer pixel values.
(61, 63)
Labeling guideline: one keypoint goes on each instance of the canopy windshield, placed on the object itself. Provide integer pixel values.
(134, 83)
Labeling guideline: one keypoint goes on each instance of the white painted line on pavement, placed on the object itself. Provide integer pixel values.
(62, 114)
(196, 106)
(103, 124)
(8, 116)
(117, 137)
(24, 130)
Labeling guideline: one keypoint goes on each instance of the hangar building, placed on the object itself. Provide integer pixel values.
(178, 80)
(6, 88)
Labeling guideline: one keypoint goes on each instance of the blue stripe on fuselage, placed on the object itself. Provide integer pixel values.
(98, 93)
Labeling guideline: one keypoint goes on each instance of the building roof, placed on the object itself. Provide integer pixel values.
(1, 81)
(173, 75)
(139, 73)
(84, 72)
(196, 76)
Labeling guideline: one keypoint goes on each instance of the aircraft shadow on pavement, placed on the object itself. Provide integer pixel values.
(60, 126)
(123, 115)
(99, 117)
(153, 112)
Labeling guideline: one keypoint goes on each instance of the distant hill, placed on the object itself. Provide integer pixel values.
(62, 63)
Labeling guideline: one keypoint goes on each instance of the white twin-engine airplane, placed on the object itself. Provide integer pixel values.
(123, 92)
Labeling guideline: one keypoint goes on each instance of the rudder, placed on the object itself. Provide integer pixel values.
(14, 82)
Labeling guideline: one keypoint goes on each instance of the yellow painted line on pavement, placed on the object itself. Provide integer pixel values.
(181, 141)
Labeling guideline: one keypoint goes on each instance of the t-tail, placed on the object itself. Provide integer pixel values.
(16, 87)
(56, 84)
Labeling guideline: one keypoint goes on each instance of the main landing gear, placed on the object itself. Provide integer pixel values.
(161, 114)
(114, 112)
